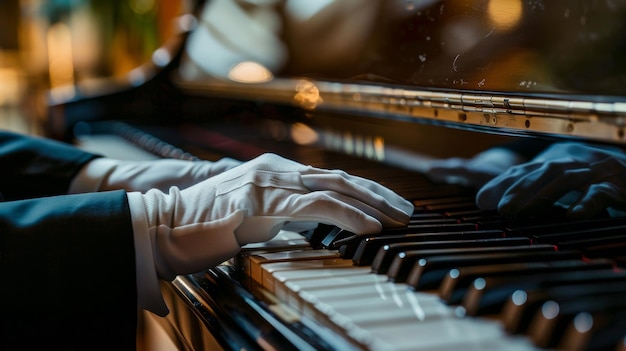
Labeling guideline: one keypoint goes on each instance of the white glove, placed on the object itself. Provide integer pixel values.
(475, 171)
(104, 174)
(201, 226)
(597, 176)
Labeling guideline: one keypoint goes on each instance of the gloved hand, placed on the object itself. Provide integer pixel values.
(104, 174)
(597, 176)
(473, 172)
(203, 225)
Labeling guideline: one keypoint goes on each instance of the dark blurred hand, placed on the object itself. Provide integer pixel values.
(476, 171)
(595, 176)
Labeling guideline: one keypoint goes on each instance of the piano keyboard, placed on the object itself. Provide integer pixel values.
(454, 278)
(376, 314)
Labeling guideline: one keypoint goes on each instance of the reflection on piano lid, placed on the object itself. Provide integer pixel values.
(543, 68)
(551, 67)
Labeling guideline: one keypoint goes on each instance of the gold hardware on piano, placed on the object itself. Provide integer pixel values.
(584, 119)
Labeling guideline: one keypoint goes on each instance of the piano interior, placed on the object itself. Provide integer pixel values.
(380, 88)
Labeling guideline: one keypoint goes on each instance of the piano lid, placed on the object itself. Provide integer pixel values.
(522, 67)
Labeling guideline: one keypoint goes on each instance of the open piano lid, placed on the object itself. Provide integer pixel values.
(511, 66)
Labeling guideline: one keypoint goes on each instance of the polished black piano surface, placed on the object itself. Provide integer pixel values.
(377, 88)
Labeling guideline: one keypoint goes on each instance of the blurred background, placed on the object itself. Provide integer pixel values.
(527, 47)
(47, 44)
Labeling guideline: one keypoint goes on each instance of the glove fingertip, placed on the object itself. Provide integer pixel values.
(368, 226)
(577, 211)
(485, 201)
(407, 208)
(507, 207)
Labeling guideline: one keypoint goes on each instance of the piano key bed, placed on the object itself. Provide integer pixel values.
(454, 278)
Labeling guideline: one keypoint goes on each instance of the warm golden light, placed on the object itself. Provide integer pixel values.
(60, 60)
(303, 135)
(10, 87)
(505, 14)
(379, 148)
(250, 72)
(307, 95)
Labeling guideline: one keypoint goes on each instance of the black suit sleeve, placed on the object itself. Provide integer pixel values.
(67, 269)
(34, 167)
(67, 264)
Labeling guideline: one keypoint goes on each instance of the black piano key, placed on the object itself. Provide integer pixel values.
(549, 324)
(335, 235)
(404, 262)
(619, 261)
(594, 247)
(385, 255)
(488, 295)
(522, 305)
(490, 223)
(368, 247)
(551, 221)
(457, 281)
(457, 206)
(416, 217)
(429, 273)
(433, 221)
(316, 236)
(348, 246)
(579, 234)
(424, 202)
(521, 227)
(520, 308)
(595, 331)
(430, 191)
(331, 237)
(429, 228)
(471, 215)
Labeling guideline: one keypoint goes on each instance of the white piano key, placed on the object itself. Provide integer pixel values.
(350, 319)
(383, 315)
(289, 290)
(383, 289)
(444, 334)
(255, 262)
(401, 297)
(378, 314)
(270, 269)
(366, 311)
(362, 310)
(320, 273)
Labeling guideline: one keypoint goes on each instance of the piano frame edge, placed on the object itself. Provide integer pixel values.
(557, 115)
(238, 319)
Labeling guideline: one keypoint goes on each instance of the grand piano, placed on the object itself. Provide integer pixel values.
(380, 88)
